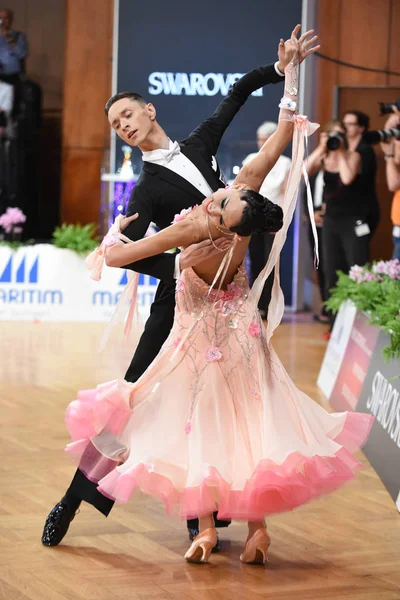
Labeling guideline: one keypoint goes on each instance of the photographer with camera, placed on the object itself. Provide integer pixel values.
(356, 124)
(391, 153)
(345, 230)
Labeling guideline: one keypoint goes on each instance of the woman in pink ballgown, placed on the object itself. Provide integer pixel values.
(216, 423)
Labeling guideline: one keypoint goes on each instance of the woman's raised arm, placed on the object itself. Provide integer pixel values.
(254, 172)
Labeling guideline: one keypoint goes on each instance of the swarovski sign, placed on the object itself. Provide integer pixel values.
(193, 84)
(384, 403)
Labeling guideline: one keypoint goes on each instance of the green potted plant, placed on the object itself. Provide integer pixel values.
(79, 238)
(374, 289)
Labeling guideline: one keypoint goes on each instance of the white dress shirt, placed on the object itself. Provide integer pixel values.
(174, 160)
(6, 97)
(277, 69)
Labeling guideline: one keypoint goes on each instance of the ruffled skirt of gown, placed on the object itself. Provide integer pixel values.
(215, 423)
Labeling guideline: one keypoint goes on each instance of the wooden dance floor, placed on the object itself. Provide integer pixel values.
(345, 546)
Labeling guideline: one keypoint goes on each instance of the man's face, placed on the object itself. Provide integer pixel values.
(5, 17)
(132, 121)
(353, 129)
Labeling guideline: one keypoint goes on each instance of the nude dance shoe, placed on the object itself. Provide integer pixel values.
(200, 550)
(256, 548)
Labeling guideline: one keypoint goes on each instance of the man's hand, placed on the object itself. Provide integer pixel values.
(198, 253)
(318, 218)
(124, 221)
(322, 146)
(303, 47)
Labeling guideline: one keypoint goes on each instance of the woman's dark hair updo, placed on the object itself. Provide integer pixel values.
(260, 215)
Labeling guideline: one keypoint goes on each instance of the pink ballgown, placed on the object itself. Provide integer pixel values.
(216, 423)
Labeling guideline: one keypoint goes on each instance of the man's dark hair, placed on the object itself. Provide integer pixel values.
(260, 215)
(362, 118)
(131, 95)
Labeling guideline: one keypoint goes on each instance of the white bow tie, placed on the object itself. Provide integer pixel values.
(171, 152)
(162, 154)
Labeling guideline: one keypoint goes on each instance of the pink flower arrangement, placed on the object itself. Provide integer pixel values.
(12, 217)
(374, 289)
(390, 268)
(213, 354)
(183, 213)
(254, 330)
(357, 273)
(361, 274)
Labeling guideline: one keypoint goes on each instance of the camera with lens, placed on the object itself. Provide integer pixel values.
(335, 139)
(381, 135)
(387, 107)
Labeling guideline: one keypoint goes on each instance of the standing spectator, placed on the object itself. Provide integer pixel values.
(13, 46)
(19, 156)
(6, 103)
(395, 216)
(346, 232)
(391, 153)
(273, 188)
(356, 123)
(13, 52)
(315, 168)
